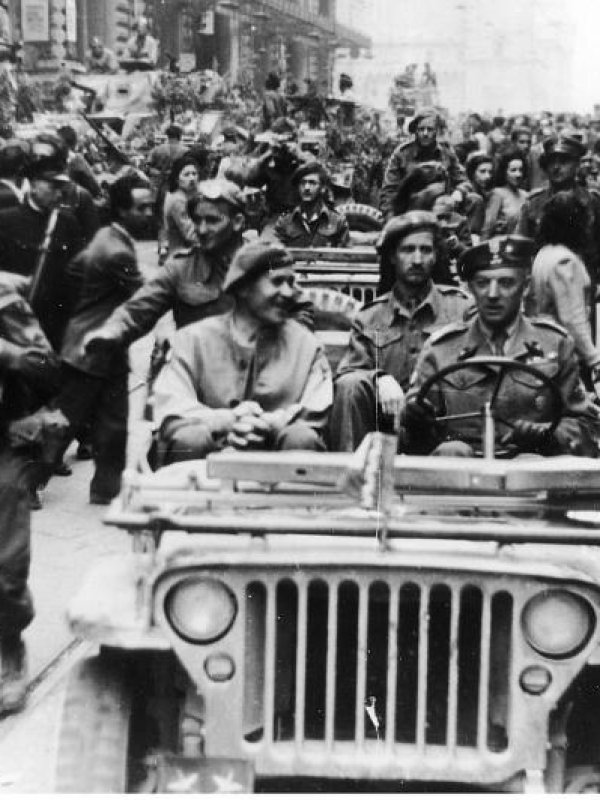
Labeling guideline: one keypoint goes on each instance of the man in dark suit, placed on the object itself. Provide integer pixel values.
(41, 225)
(95, 386)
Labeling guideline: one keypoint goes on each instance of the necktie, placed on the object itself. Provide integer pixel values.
(498, 342)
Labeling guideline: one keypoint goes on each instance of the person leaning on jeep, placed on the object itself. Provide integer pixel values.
(497, 272)
(388, 335)
(252, 378)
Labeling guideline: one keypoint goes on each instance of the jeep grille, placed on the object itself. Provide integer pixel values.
(417, 662)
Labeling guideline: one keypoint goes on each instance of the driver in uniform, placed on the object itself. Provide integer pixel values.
(497, 272)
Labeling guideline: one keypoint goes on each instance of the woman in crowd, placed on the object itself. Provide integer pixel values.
(505, 201)
(472, 196)
(178, 228)
(560, 284)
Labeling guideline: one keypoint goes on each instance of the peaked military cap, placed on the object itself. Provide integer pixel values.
(398, 227)
(253, 259)
(501, 251)
(569, 145)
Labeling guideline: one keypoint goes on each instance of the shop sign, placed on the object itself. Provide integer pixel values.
(35, 23)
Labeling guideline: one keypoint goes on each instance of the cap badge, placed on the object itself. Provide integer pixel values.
(494, 247)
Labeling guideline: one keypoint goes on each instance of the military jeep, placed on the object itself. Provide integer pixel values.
(294, 621)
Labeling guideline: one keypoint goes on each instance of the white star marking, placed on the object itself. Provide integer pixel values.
(182, 783)
(226, 785)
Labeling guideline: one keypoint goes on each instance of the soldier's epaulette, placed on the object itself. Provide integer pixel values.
(547, 322)
(382, 298)
(446, 288)
(452, 329)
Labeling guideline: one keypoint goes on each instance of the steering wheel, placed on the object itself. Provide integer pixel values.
(488, 365)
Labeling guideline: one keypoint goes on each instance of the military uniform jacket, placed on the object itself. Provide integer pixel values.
(327, 229)
(411, 153)
(108, 274)
(539, 342)
(531, 215)
(190, 284)
(387, 337)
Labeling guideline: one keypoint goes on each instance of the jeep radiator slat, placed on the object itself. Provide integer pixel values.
(453, 671)
(361, 667)
(331, 662)
(392, 668)
(301, 661)
(423, 662)
(270, 663)
(484, 675)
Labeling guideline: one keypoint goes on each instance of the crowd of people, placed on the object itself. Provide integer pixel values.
(489, 247)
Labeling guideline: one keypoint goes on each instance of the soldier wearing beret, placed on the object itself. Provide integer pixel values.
(560, 160)
(272, 388)
(312, 223)
(388, 335)
(498, 273)
(424, 148)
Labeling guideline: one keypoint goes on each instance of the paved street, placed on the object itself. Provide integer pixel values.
(67, 537)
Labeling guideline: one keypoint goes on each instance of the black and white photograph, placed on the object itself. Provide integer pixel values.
(299, 397)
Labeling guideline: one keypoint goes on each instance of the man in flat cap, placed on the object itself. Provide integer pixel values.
(424, 148)
(560, 160)
(388, 335)
(312, 223)
(272, 388)
(497, 272)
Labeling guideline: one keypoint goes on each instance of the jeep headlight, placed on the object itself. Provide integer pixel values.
(201, 610)
(558, 623)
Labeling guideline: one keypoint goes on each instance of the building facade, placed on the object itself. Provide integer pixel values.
(243, 40)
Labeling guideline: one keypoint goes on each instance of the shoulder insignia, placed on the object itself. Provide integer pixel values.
(447, 332)
(445, 288)
(546, 322)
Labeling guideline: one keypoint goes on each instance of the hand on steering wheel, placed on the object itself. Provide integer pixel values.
(523, 434)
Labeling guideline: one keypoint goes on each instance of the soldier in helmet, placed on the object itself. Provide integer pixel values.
(388, 335)
(497, 272)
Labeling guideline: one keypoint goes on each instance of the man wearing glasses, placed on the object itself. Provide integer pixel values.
(425, 147)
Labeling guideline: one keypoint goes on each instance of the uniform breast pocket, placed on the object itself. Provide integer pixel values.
(467, 390)
(522, 378)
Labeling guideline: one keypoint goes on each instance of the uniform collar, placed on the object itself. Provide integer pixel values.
(402, 306)
(522, 338)
(322, 212)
